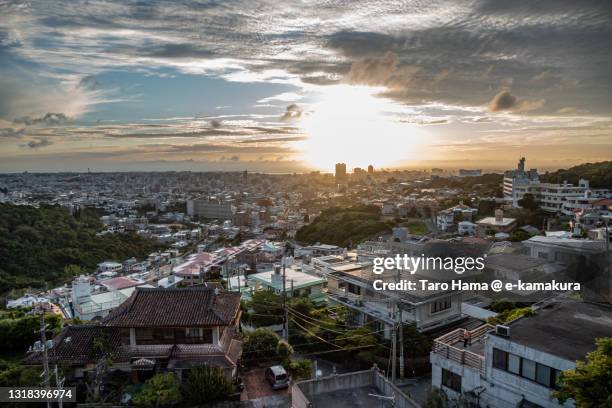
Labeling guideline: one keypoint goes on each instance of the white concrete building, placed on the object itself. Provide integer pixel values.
(518, 365)
(557, 198)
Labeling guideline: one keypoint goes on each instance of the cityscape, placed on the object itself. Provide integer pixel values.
(304, 205)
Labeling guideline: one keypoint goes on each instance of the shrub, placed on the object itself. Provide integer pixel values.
(206, 384)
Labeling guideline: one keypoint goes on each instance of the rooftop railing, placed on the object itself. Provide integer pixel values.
(446, 346)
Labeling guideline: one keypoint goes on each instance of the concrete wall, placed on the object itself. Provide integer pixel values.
(301, 390)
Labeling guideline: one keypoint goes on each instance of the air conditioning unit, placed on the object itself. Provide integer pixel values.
(502, 330)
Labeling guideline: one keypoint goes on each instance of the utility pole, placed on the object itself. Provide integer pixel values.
(394, 348)
(43, 338)
(401, 344)
(286, 328)
(59, 383)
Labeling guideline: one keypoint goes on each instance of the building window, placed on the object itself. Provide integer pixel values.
(500, 359)
(529, 369)
(451, 380)
(514, 364)
(440, 305)
(198, 335)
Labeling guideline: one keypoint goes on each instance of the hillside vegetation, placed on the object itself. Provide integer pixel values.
(599, 174)
(36, 245)
(344, 226)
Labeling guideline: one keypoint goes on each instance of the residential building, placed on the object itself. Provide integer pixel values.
(426, 309)
(209, 208)
(470, 173)
(89, 305)
(497, 224)
(156, 330)
(557, 198)
(297, 283)
(518, 365)
(467, 228)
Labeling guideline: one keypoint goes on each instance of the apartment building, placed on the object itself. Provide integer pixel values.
(209, 208)
(518, 365)
(556, 198)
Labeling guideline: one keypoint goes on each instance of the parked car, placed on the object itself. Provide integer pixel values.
(277, 377)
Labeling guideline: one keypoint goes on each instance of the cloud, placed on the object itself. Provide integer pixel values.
(505, 101)
(38, 144)
(292, 112)
(49, 119)
(385, 70)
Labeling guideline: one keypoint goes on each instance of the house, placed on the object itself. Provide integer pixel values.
(467, 228)
(518, 365)
(156, 330)
(89, 304)
(499, 223)
(297, 283)
(426, 309)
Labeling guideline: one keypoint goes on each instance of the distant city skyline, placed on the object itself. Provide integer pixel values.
(289, 87)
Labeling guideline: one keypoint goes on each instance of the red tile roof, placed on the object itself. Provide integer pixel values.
(175, 307)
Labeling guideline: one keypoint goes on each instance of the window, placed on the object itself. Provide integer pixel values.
(543, 375)
(514, 364)
(540, 373)
(451, 380)
(528, 369)
(440, 305)
(500, 359)
(198, 335)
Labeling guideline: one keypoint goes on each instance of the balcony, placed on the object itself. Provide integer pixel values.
(450, 346)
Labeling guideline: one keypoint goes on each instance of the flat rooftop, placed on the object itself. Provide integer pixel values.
(349, 398)
(566, 328)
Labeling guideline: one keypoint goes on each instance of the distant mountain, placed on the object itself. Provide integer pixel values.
(37, 244)
(599, 174)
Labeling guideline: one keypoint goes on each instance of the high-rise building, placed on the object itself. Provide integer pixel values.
(340, 173)
(370, 169)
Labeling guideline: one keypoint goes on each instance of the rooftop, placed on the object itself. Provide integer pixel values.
(175, 307)
(299, 279)
(566, 328)
(492, 221)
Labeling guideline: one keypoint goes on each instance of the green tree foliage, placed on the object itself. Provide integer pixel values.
(590, 383)
(261, 343)
(298, 369)
(528, 202)
(206, 384)
(37, 244)
(598, 174)
(283, 349)
(17, 334)
(267, 309)
(510, 315)
(344, 226)
(16, 375)
(159, 390)
(519, 235)
(486, 208)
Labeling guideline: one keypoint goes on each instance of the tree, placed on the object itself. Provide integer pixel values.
(159, 390)
(528, 202)
(206, 384)
(590, 383)
(298, 369)
(261, 343)
(267, 308)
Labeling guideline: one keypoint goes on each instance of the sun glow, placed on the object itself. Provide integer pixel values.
(354, 126)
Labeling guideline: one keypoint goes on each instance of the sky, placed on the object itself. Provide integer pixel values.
(298, 86)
